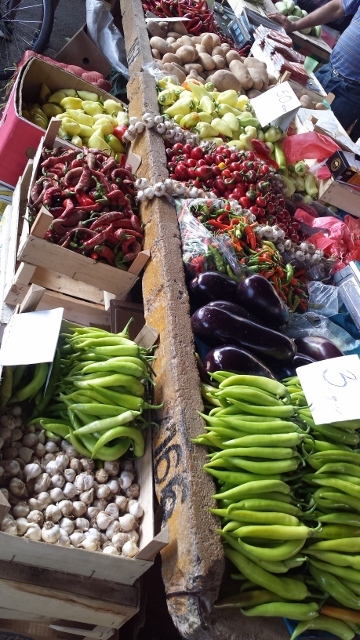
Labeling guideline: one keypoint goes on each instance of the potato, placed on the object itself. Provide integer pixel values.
(206, 61)
(160, 44)
(174, 70)
(253, 93)
(241, 73)
(272, 79)
(179, 27)
(225, 47)
(208, 42)
(253, 63)
(170, 41)
(320, 106)
(193, 66)
(216, 40)
(172, 57)
(220, 62)
(187, 54)
(155, 29)
(224, 80)
(173, 34)
(175, 46)
(194, 76)
(186, 41)
(196, 39)
(232, 55)
(156, 54)
(256, 78)
(164, 25)
(217, 51)
(200, 48)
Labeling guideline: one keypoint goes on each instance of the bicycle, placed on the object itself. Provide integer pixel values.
(24, 24)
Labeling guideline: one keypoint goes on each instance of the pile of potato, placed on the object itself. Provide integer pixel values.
(206, 59)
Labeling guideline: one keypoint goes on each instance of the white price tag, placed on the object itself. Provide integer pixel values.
(278, 105)
(31, 337)
(332, 388)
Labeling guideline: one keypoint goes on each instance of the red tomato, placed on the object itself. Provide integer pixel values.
(190, 162)
(197, 153)
(201, 163)
(264, 170)
(245, 202)
(181, 171)
(119, 131)
(219, 185)
(191, 173)
(261, 201)
(177, 148)
(187, 149)
(209, 159)
(235, 166)
(216, 171)
(204, 172)
(234, 157)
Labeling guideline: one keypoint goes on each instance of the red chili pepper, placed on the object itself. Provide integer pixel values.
(107, 218)
(116, 197)
(49, 194)
(72, 177)
(108, 165)
(129, 232)
(98, 239)
(250, 235)
(56, 211)
(105, 252)
(136, 223)
(102, 179)
(131, 255)
(260, 147)
(83, 198)
(218, 225)
(53, 160)
(69, 208)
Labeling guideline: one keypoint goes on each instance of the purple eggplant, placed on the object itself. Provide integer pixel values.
(234, 359)
(258, 295)
(288, 369)
(318, 348)
(217, 327)
(212, 285)
(235, 309)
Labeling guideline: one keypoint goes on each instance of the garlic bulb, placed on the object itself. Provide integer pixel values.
(51, 446)
(67, 525)
(69, 475)
(130, 549)
(79, 508)
(112, 468)
(9, 453)
(53, 467)
(63, 460)
(50, 532)
(41, 437)
(119, 539)
(112, 510)
(11, 468)
(66, 507)
(8, 422)
(110, 550)
(127, 522)
(91, 512)
(39, 450)
(76, 538)
(34, 504)
(8, 525)
(57, 480)
(17, 434)
(133, 535)
(90, 544)
(20, 510)
(53, 513)
(5, 493)
(87, 496)
(69, 490)
(101, 476)
(17, 487)
(82, 524)
(103, 492)
(113, 486)
(135, 509)
(87, 464)
(31, 471)
(46, 458)
(35, 517)
(56, 494)
(5, 434)
(45, 500)
(69, 450)
(76, 465)
(64, 540)
(33, 532)
(29, 440)
(100, 504)
(113, 528)
(133, 491)
(42, 483)
(84, 481)
(127, 465)
(93, 533)
(22, 526)
(103, 520)
(121, 502)
(126, 479)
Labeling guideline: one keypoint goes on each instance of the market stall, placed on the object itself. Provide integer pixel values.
(225, 200)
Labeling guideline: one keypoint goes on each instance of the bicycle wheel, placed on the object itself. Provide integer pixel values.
(24, 24)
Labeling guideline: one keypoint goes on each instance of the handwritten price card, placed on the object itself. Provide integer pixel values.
(277, 106)
(332, 388)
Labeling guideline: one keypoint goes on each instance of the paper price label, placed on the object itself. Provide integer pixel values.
(275, 104)
(31, 337)
(332, 388)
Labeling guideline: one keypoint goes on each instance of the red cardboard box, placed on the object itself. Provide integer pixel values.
(19, 138)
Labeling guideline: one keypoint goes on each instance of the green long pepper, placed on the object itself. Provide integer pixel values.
(324, 623)
(108, 423)
(31, 389)
(131, 433)
(248, 394)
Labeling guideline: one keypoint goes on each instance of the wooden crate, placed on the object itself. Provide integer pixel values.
(58, 269)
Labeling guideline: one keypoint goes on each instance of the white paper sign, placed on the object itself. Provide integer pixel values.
(332, 388)
(30, 338)
(277, 106)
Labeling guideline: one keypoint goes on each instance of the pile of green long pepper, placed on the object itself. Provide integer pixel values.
(95, 397)
(285, 528)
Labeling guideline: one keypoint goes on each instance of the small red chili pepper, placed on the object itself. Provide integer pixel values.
(105, 252)
(249, 232)
(69, 208)
(49, 194)
(98, 239)
(53, 160)
(129, 232)
(83, 198)
(107, 218)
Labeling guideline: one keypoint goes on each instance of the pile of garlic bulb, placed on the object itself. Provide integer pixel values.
(59, 497)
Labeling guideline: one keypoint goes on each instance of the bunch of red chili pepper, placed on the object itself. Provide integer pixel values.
(257, 255)
(245, 176)
(200, 18)
(92, 199)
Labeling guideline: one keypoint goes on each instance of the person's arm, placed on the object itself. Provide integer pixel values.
(330, 11)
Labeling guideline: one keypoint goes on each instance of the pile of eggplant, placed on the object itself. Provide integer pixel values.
(239, 327)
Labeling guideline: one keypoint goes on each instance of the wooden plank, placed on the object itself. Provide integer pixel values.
(139, 263)
(147, 337)
(4, 506)
(63, 284)
(99, 633)
(35, 599)
(42, 223)
(155, 545)
(32, 299)
(76, 310)
(13, 614)
(41, 253)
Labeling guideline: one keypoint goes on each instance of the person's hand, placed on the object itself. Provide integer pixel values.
(283, 21)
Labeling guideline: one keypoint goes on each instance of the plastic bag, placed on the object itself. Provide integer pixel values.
(201, 251)
(309, 145)
(323, 298)
(103, 32)
(311, 324)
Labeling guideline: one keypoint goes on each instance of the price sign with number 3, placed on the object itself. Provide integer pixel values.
(332, 388)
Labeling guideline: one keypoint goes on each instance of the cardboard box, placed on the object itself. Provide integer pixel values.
(340, 195)
(345, 167)
(82, 52)
(19, 138)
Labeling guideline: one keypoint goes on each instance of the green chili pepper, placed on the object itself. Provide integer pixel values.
(31, 389)
(133, 434)
(341, 572)
(275, 453)
(333, 586)
(292, 610)
(282, 440)
(127, 368)
(274, 532)
(338, 435)
(273, 566)
(259, 382)
(268, 467)
(236, 478)
(281, 411)
(337, 559)
(352, 519)
(247, 599)
(113, 453)
(345, 545)
(57, 428)
(250, 488)
(324, 623)
(283, 551)
(273, 426)
(248, 394)
(108, 396)
(287, 588)
(263, 504)
(129, 382)
(108, 423)
(337, 531)
(99, 410)
(18, 373)
(75, 442)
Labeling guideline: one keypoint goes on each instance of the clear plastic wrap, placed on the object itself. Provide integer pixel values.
(312, 324)
(323, 299)
(102, 30)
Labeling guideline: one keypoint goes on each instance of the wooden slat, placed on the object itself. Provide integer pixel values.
(76, 310)
(63, 284)
(42, 223)
(155, 545)
(32, 299)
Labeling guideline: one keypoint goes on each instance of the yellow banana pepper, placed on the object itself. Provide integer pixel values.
(112, 106)
(222, 127)
(88, 95)
(232, 121)
(205, 117)
(51, 109)
(71, 103)
(44, 94)
(71, 127)
(85, 131)
(183, 106)
(122, 118)
(239, 144)
(57, 97)
(225, 108)
(115, 143)
(80, 117)
(207, 104)
(190, 120)
(92, 108)
(39, 121)
(97, 142)
(229, 97)
(77, 141)
(242, 102)
(205, 130)
(70, 92)
(105, 127)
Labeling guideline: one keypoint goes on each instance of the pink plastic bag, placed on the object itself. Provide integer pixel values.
(309, 145)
